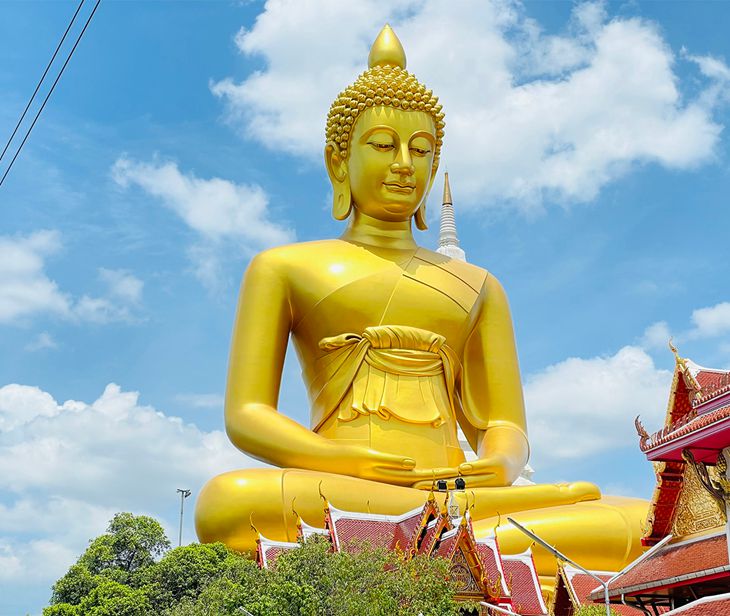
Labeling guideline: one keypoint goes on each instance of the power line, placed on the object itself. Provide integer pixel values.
(30, 101)
(53, 87)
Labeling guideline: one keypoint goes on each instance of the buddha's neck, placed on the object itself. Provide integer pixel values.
(370, 231)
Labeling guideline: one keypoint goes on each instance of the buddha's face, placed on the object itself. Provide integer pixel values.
(390, 162)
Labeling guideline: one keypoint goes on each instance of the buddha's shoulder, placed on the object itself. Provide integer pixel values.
(471, 274)
(300, 253)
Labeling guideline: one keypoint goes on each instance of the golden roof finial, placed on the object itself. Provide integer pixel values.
(253, 526)
(322, 496)
(673, 349)
(387, 50)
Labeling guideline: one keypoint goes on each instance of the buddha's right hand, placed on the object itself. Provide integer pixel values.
(371, 464)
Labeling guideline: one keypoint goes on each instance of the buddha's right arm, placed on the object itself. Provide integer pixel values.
(253, 423)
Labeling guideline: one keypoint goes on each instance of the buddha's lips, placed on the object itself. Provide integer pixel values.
(399, 187)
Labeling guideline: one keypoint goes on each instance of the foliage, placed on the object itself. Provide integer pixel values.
(594, 610)
(311, 581)
(130, 543)
(184, 572)
(130, 571)
(74, 586)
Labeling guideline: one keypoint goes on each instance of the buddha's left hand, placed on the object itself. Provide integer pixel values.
(504, 452)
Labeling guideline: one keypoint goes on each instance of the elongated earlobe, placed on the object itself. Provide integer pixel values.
(341, 200)
(421, 217)
(337, 172)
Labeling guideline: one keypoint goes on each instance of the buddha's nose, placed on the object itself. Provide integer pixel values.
(403, 163)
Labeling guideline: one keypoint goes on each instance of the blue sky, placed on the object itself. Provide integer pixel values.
(588, 157)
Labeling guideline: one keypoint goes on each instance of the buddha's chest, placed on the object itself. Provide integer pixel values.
(350, 297)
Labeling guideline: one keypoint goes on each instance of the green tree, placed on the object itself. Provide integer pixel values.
(130, 545)
(111, 598)
(74, 586)
(131, 542)
(594, 610)
(311, 581)
(184, 572)
(120, 574)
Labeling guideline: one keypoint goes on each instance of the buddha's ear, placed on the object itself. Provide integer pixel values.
(337, 172)
(421, 211)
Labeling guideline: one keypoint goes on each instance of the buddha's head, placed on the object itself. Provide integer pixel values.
(384, 135)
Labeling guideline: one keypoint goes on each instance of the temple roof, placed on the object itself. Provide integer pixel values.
(698, 414)
(672, 564)
(719, 605)
(268, 550)
(572, 590)
(698, 397)
(306, 531)
(349, 528)
(524, 584)
(488, 550)
(477, 566)
(712, 428)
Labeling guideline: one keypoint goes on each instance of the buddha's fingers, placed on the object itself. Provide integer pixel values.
(425, 476)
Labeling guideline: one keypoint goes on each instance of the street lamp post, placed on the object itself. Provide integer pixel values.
(564, 558)
(183, 495)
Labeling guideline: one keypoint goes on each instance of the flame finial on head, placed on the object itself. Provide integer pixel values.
(387, 50)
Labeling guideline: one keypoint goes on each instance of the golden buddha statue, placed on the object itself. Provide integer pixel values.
(399, 346)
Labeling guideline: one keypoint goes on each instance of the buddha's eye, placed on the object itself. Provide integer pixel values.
(379, 145)
(420, 151)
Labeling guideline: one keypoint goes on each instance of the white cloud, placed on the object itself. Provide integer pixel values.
(216, 209)
(529, 116)
(706, 322)
(656, 336)
(201, 401)
(120, 302)
(42, 341)
(25, 288)
(65, 469)
(122, 285)
(581, 407)
(711, 321)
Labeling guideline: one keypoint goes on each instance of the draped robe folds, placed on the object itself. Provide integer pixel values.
(396, 372)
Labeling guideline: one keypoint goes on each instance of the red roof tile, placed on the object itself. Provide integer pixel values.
(712, 383)
(524, 584)
(448, 544)
(488, 550)
(583, 584)
(351, 529)
(719, 605)
(352, 532)
(267, 550)
(688, 424)
(405, 532)
(674, 563)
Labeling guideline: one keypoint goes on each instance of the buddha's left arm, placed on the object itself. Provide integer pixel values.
(492, 392)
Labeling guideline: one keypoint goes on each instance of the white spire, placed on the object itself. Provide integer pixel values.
(448, 240)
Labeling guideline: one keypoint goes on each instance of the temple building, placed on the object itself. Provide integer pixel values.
(686, 569)
(480, 571)
(573, 588)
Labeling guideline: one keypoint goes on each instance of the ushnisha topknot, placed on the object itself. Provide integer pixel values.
(388, 83)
